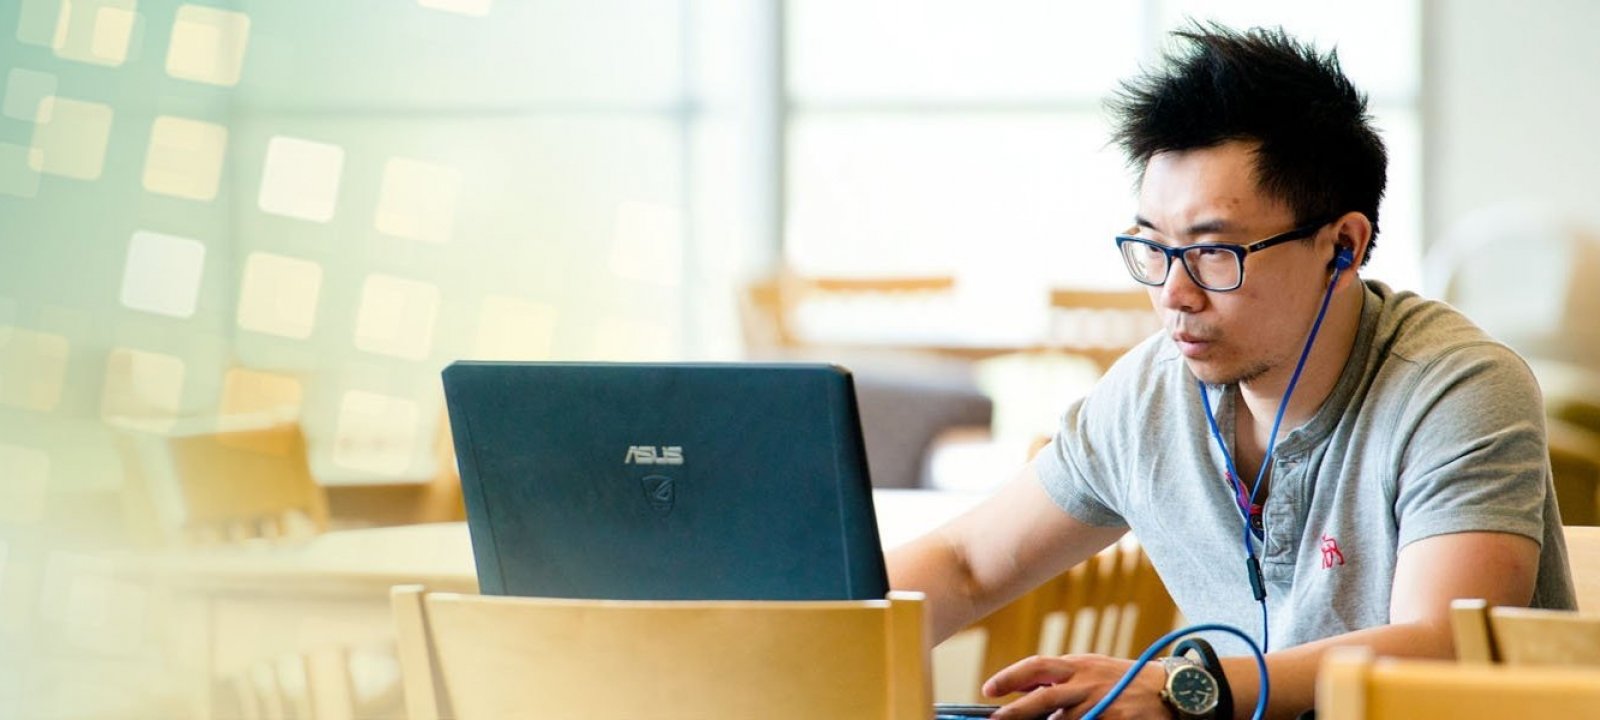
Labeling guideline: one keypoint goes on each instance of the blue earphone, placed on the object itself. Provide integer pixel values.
(1344, 258)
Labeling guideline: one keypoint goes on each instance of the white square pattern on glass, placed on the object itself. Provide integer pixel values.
(163, 274)
(396, 317)
(208, 45)
(38, 21)
(375, 433)
(33, 368)
(95, 31)
(185, 158)
(417, 200)
(514, 329)
(23, 487)
(70, 137)
(278, 295)
(143, 390)
(301, 179)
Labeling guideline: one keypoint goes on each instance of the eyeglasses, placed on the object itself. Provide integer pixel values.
(1218, 267)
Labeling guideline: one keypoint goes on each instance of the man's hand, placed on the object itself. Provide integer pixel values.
(1071, 684)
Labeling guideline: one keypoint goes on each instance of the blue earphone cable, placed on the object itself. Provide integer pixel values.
(1165, 640)
(1246, 506)
(1341, 261)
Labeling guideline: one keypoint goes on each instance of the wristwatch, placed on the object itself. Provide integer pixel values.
(1200, 651)
(1191, 691)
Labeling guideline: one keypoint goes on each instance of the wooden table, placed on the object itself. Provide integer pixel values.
(238, 605)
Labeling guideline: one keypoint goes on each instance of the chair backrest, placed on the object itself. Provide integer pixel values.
(1575, 468)
(1100, 325)
(241, 484)
(472, 657)
(1583, 557)
(227, 485)
(770, 305)
(1523, 636)
(1351, 685)
(406, 503)
(1111, 604)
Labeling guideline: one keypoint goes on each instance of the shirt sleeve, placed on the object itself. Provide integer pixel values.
(1064, 479)
(1083, 465)
(1474, 458)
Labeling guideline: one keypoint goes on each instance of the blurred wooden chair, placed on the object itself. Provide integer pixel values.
(770, 305)
(1523, 636)
(1113, 604)
(246, 485)
(229, 485)
(436, 499)
(470, 657)
(1583, 556)
(1100, 325)
(1351, 685)
(1575, 467)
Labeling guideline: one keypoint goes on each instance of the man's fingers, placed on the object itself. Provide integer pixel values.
(1042, 701)
(1028, 674)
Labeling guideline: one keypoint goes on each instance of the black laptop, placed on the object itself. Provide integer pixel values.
(665, 481)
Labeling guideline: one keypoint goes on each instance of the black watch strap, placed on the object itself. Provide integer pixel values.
(1207, 658)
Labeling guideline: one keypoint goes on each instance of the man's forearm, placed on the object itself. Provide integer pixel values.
(1293, 671)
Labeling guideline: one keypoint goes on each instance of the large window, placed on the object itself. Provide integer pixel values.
(968, 139)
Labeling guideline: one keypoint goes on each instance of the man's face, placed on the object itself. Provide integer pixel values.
(1210, 195)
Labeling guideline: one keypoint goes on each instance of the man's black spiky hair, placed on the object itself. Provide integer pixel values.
(1317, 149)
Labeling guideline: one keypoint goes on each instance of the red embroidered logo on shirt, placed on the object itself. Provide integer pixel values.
(1330, 552)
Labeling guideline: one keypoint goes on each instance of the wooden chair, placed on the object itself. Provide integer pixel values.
(486, 658)
(1100, 325)
(233, 486)
(769, 305)
(438, 499)
(1112, 604)
(230, 485)
(1523, 636)
(1583, 556)
(1353, 686)
(1575, 467)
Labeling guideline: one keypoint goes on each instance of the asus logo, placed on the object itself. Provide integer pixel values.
(651, 455)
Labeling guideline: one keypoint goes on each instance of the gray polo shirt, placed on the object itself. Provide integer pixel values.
(1432, 428)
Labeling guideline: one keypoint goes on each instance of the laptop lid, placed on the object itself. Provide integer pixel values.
(665, 481)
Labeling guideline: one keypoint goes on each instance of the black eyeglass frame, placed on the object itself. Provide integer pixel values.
(1239, 253)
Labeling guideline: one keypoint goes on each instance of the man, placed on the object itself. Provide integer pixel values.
(1410, 468)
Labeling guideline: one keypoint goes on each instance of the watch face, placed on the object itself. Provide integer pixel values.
(1193, 690)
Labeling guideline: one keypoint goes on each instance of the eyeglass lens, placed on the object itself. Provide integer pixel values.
(1212, 268)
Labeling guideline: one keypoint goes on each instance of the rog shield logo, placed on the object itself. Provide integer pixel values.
(660, 491)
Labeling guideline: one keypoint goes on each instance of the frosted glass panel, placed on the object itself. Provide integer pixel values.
(523, 52)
